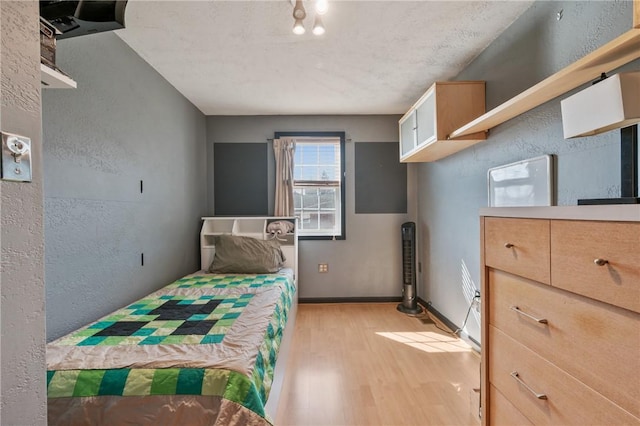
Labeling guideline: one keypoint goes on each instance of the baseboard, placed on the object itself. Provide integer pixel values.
(349, 299)
(446, 321)
(465, 336)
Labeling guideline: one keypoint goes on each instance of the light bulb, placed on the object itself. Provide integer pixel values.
(318, 28)
(322, 6)
(298, 28)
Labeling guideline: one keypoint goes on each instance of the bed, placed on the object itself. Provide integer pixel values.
(210, 348)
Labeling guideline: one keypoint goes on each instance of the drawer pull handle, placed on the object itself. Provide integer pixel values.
(515, 375)
(508, 245)
(540, 320)
(600, 262)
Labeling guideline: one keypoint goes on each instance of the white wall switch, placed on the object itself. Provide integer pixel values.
(16, 157)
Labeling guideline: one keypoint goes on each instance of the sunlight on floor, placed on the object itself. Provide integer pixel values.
(428, 341)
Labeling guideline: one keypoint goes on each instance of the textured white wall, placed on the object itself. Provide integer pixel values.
(451, 191)
(22, 372)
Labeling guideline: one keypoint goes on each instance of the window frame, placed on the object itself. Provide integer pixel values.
(342, 136)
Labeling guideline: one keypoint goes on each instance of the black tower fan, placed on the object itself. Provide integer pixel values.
(409, 304)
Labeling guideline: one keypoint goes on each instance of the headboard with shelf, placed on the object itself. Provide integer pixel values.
(249, 226)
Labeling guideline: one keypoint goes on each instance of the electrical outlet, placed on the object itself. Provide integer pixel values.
(323, 267)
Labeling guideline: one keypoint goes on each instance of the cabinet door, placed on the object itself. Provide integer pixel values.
(573, 336)
(521, 374)
(426, 119)
(407, 133)
(518, 246)
(597, 259)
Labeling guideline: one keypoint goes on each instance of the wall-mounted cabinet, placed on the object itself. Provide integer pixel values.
(425, 129)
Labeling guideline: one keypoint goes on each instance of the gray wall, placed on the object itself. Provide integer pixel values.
(124, 123)
(368, 262)
(451, 191)
(22, 372)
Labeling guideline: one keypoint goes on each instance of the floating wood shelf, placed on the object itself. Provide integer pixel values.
(612, 55)
(52, 79)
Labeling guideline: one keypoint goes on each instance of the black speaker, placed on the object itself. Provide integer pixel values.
(409, 303)
(76, 18)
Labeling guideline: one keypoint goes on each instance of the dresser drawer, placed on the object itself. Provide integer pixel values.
(520, 246)
(502, 412)
(595, 342)
(520, 374)
(579, 250)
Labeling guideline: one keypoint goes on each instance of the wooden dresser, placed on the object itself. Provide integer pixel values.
(561, 315)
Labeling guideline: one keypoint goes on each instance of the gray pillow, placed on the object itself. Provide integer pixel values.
(246, 255)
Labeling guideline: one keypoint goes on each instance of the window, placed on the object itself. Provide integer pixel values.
(318, 188)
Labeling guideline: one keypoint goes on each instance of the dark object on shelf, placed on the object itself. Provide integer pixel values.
(77, 18)
(47, 43)
(628, 171)
(409, 303)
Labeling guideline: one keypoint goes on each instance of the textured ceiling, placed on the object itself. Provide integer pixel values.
(241, 57)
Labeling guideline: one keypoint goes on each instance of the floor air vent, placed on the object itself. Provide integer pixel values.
(409, 303)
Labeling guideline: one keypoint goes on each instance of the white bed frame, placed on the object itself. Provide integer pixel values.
(256, 227)
(251, 226)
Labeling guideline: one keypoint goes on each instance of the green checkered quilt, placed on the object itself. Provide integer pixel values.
(227, 282)
(200, 319)
(166, 319)
(145, 382)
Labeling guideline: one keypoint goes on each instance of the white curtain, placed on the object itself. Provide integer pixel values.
(284, 149)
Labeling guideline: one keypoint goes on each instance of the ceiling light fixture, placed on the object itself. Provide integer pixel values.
(299, 14)
(318, 28)
(298, 28)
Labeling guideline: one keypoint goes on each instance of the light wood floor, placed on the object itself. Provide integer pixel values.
(368, 364)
